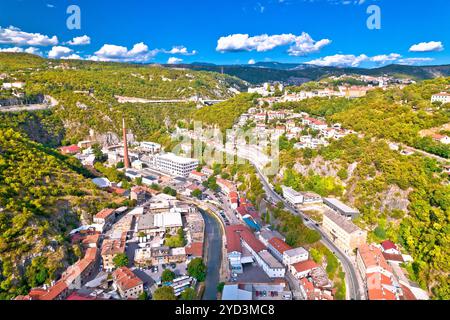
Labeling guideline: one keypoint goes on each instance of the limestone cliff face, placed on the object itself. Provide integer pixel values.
(389, 199)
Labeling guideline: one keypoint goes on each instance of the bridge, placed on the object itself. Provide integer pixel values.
(122, 99)
(48, 103)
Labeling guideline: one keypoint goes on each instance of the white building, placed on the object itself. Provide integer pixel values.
(292, 196)
(270, 264)
(176, 165)
(150, 147)
(442, 97)
(295, 255)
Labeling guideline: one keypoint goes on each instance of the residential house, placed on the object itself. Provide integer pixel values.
(129, 285)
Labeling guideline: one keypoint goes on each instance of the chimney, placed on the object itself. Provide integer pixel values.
(126, 158)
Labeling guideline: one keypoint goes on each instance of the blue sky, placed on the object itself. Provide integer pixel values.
(322, 32)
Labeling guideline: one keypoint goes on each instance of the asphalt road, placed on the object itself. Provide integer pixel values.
(214, 255)
(350, 271)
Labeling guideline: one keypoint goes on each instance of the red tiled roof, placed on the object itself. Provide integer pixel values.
(195, 249)
(378, 287)
(407, 293)
(70, 149)
(142, 189)
(393, 257)
(78, 297)
(200, 174)
(373, 257)
(388, 244)
(126, 279)
(105, 213)
(305, 265)
(279, 245)
(234, 235)
(92, 238)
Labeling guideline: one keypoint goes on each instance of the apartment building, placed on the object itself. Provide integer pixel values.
(128, 284)
(175, 165)
(343, 232)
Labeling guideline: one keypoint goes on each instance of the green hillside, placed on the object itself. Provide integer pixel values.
(42, 196)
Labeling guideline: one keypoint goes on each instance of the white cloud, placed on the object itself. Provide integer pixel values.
(414, 61)
(139, 53)
(12, 50)
(251, 61)
(49, 5)
(384, 58)
(180, 50)
(60, 52)
(13, 35)
(427, 46)
(300, 45)
(80, 41)
(30, 50)
(72, 57)
(340, 60)
(174, 60)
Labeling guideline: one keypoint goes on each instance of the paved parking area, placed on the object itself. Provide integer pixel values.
(180, 270)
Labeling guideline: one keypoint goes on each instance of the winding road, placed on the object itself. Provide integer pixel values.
(352, 279)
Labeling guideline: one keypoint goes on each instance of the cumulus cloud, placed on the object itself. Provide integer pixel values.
(384, 58)
(180, 50)
(80, 41)
(251, 61)
(60, 52)
(340, 60)
(300, 45)
(174, 60)
(350, 60)
(30, 50)
(427, 46)
(15, 36)
(109, 52)
(414, 61)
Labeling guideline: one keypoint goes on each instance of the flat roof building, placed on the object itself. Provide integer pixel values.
(341, 208)
(343, 232)
(176, 165)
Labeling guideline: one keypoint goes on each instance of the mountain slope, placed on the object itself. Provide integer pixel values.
(299, 73)
(42, 196)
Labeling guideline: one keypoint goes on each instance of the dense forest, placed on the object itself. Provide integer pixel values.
(43, 195)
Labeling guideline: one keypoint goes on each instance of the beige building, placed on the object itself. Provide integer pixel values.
(346, 235)
(111, 248)
(128, 284)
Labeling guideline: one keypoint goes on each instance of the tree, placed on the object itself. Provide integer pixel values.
(197, 269)
(170, 191)
(143, 296)
(188, 294)
(220, 287)
(120, 260)
(164, 293)
(99, 156)
(197, 193)
(167, 276)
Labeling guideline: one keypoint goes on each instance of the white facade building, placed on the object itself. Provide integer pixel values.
(176, 165)
(295, 255)
(292, 196)
(442, 97)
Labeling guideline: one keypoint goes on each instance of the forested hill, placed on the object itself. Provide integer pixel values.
(107, 79)
(297, 73)
(43, 195)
